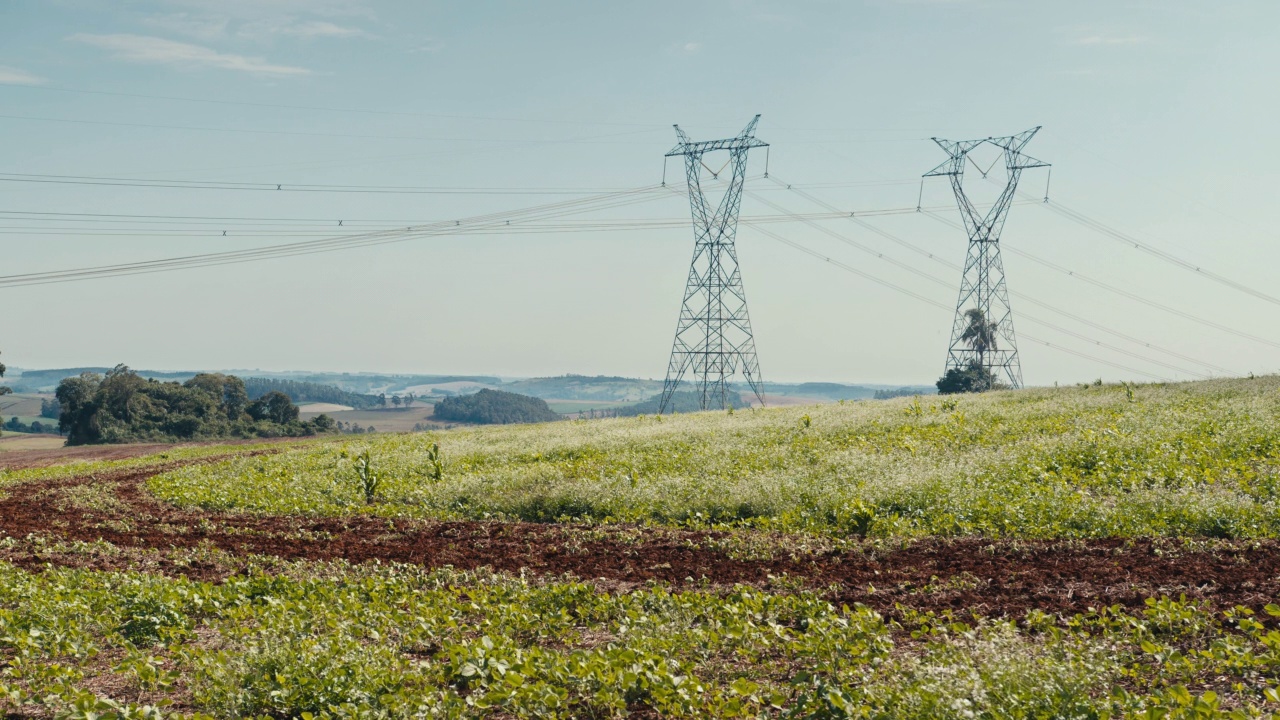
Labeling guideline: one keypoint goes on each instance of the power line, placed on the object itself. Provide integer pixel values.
(289, 187)
(948, 308)
(362, 111)
(461, 226)
(932, 278)
(594, 140)
(214, 230)
(1127, 239)
(208, 221)
(1127, 294)
(110, 181)
(858, 219)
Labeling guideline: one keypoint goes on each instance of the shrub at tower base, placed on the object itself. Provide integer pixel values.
(122, 407)
(971, 378)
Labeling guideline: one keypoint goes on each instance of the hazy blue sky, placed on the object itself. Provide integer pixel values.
(1159, 119)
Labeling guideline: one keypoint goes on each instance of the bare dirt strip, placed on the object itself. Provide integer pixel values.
(19, 459)
(990, 578)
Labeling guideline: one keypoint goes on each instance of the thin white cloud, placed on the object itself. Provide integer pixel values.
(320, 28)
(207, 28)
(268, 29)
(257, 9)
(17, 76)
(692, 47)
(211, 28)
(159, 51)
(1104, 39)
(428, 45)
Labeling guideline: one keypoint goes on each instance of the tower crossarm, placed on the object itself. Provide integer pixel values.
(744, 141)
(706, 146)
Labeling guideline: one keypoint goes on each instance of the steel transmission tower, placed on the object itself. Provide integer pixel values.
(983, 287)
(713, 337)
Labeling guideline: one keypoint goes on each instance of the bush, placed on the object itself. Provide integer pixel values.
(969, 379)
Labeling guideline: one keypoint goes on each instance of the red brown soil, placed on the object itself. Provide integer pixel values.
(990, 578)
(18, 459)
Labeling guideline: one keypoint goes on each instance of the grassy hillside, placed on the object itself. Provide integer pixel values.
(1194, 459)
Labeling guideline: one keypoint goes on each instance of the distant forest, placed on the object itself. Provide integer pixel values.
(494, 407)
(362, 382)
(123, 407)
(44, 380)
(301, 392)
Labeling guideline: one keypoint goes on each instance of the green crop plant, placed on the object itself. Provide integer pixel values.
(1190, 459)
(435, 463)
(368, 477)
(328, 640)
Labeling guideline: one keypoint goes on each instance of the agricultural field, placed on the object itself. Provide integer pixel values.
(1083, 552)
(14, 442)
(384, 419)
(25, 407)
(317, 408)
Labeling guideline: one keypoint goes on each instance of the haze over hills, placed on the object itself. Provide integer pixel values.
(581, 388)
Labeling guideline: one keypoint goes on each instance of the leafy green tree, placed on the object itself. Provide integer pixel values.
(979, 333)
(408, 399)
(77, 397)
(123, 407)
(229, 390)
(395, 400)
(49, 408)
(275, 407)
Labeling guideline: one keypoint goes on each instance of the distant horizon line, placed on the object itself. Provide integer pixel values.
(15, 372)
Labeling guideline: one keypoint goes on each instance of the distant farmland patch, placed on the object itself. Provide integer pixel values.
(381, 420)
(12, 442)
(320, 407)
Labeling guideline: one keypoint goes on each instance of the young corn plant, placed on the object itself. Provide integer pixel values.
(436, 463)
(369, 478)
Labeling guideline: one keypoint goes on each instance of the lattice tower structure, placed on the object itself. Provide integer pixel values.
(713, 337)
(983, 287)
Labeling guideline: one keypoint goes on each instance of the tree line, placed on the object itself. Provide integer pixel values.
(121, 407)
(299, 391)
(494, 407)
